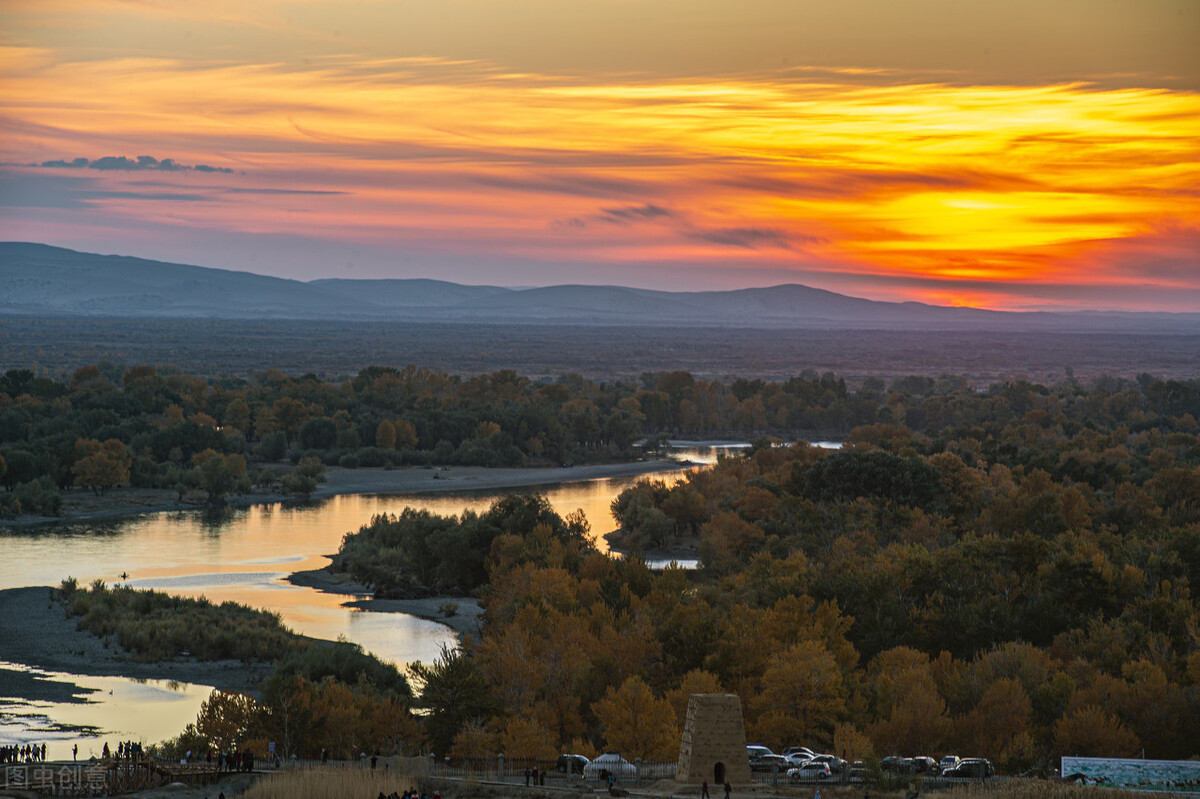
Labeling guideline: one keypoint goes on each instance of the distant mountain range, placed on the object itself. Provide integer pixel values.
(40, 280)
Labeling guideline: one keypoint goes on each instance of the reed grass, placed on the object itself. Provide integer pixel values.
(329, 783)
(1039, 789)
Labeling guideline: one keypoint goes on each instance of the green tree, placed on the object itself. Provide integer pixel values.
(454, 693)
(217, 474)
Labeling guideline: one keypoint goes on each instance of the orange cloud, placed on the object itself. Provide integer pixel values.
(976, 184)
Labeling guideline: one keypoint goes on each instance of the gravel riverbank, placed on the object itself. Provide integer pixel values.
(466, 619)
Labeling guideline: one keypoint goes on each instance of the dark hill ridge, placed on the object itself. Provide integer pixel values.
(40, 280)
(415, 293)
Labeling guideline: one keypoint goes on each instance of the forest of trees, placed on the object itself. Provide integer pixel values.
(109, 426)
(1002, 572)
(1015, 584)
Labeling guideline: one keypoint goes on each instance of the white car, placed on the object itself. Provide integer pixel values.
(609, 763)
(810, 771)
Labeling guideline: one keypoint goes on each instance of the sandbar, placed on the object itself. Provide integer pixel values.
(35, 631)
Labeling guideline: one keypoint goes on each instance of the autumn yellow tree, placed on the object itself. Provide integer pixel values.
(802, 696)
(636, 723)
(1091, 731)
(999, 726)
(696, 681)
(526, 739)
(475, 742)
(100, 466)
(911, 714)
(406, 434)
(227, 719)
(385, 435)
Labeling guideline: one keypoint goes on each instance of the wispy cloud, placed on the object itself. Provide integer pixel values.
(142, 163)
(749, 238)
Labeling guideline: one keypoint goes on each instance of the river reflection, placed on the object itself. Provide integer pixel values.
(99, 709)
(244, 556)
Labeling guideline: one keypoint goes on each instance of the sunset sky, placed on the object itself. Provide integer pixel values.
(1016, 155)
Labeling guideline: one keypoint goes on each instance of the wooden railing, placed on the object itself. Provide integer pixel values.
(107, 777)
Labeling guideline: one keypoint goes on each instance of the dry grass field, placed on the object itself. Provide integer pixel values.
(351, 783)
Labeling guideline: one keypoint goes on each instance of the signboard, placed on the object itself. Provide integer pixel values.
(1142, 775)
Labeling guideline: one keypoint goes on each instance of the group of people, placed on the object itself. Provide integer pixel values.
(125, 749)
(539, 778)
(29, 753)
(234, 761)
(411, 793)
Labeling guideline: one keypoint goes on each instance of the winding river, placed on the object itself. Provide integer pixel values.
(244, 556)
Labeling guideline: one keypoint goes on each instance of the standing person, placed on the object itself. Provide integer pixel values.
(704, 790)
(526, 777)
(727, 789)
(75, 752)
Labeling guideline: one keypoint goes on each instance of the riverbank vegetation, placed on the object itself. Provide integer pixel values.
(1013, 581)
(320, 695)
(107, 427)
(151, 625)
(417, 553)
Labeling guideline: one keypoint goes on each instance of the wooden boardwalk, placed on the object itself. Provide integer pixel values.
(108, 777)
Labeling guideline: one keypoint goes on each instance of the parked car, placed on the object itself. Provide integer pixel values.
(798, 753)
(571, 764)
(609, 763)
(948, 762)
(812, 771)
(858, 770)
(770, 763)
(924, 765)
(835, 763)
(757, 750)
(976, 768)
